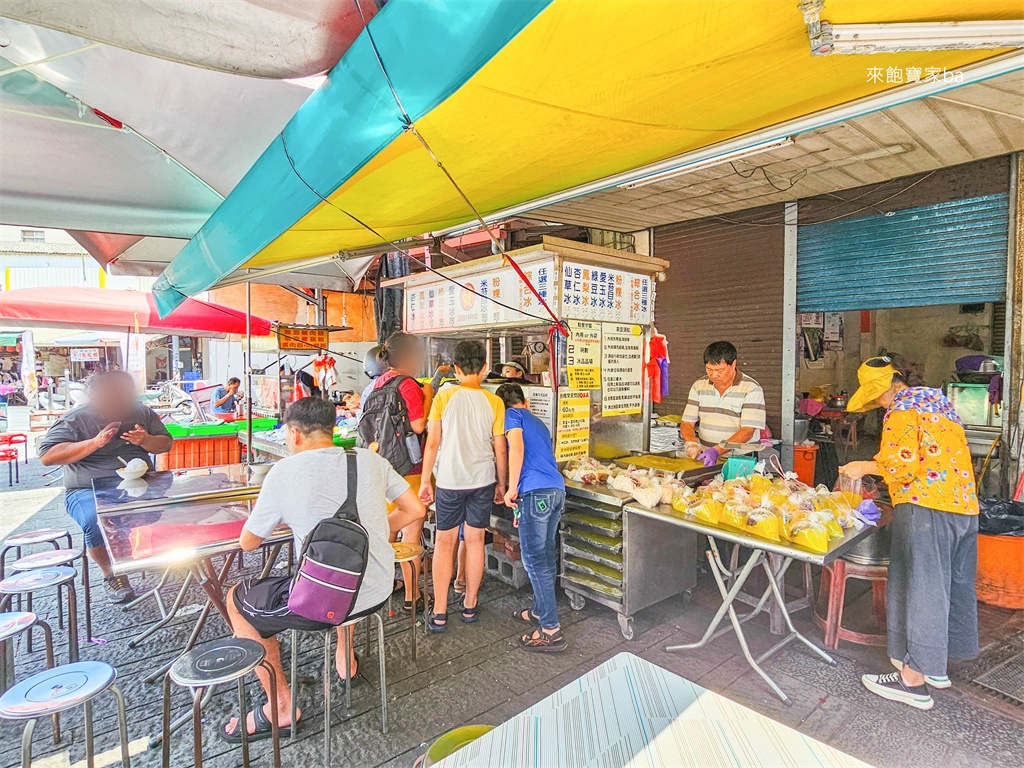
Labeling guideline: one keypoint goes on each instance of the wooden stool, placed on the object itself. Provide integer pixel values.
(833, 579)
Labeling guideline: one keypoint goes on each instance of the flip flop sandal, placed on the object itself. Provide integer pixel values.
(356, 680)
(264, 729)
(544, 643)
(526, 616)
(433, 623)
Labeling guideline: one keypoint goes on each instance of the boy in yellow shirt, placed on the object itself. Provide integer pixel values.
(466, 442)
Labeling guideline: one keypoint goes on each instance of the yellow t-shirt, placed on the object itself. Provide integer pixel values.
(470, 419)
(924, 457)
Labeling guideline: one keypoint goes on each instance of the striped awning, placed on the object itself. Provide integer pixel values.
(518, 99)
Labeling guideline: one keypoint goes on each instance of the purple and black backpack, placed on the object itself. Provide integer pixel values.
(332, 562)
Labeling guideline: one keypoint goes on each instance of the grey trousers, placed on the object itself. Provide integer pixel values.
(931, 605)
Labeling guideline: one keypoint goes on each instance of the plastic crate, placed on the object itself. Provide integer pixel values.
(202, 430)
(349, 442)
(177, 430)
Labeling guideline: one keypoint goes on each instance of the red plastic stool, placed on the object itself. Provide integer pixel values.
(10, 456)
(15, 438)
(833, 579)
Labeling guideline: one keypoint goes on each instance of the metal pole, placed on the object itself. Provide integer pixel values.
(789, 336)
(248, 372)
(175, 351)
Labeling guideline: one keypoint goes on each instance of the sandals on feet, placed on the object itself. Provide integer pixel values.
(541, 642)
(407, 605)
(437, 622)
(469, 615)
(460, 587)
(264, 729)
(526, 616)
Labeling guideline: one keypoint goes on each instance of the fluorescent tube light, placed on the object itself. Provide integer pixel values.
(919, 36)
(710, 162)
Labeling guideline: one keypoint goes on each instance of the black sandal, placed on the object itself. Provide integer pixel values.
(264, 729)
(469, 615)
(433, 623)
(407, 605)
(526, 616)
(541, 642)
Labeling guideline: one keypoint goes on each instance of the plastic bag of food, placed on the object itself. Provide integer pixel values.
(669, 488)
(648, 494)
(809, 534)
(622, 482)
(705, 510)
(764, 523)
(735, 513)
(828, 521)
(682, 494)
(759, 485)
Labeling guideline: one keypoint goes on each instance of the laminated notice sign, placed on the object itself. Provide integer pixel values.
(622, 386)
(583, 355)
(572, 432)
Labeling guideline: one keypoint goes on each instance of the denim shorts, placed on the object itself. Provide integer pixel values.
(471, 506)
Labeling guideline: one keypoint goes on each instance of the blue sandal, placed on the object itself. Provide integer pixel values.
(433, 623)
(469, 615)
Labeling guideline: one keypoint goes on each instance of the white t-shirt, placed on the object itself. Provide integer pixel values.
(303, 489)
(470, 420)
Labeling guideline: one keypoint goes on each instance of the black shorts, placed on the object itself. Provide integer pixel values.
(471, 506)
(264, 604)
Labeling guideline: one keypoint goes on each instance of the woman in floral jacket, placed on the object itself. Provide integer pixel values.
(931, 606)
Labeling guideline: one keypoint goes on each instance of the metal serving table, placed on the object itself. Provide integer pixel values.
(175, 486)
(731, 581)
(630, 712)
(266, 449)
(620, 560)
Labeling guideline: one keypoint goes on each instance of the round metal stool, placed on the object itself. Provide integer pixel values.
(211, 664)
(327, 635)
(31, 538)
(28, 583)
(49, 559)
(11, 626)
(58, 689)
(406, 553)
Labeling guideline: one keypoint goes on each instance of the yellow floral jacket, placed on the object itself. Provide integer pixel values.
(923, 456)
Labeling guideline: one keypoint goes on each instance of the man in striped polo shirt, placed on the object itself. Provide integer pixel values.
(723, 407)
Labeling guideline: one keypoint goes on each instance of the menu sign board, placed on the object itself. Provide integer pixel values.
(583, 354)
(600, 293)
(497, 297)
(622, 352)
(572, 428)
(302, 338)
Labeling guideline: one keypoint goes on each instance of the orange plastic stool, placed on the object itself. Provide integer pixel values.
(15, 438)
(10, 457)
(833, 579)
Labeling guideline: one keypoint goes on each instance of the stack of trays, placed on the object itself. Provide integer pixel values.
(592, 546)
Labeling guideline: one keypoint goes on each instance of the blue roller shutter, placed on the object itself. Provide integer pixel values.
(947, 253)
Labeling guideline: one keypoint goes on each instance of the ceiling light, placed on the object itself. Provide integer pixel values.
(923, 36)
(711, 162)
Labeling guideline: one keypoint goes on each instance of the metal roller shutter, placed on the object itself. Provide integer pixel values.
(948, 253)
(724, 282)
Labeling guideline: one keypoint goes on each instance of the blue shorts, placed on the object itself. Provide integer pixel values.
(471, 506)
(81, 505)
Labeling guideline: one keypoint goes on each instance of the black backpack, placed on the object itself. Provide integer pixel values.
(384, 427)
(333, 561)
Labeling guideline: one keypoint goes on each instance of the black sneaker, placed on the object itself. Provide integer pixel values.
(119, 591)
(892, 687)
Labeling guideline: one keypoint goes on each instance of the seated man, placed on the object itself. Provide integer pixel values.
(224, 398)
(89, 442)
(300, 491)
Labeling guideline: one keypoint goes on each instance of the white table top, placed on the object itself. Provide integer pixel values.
(629, 712)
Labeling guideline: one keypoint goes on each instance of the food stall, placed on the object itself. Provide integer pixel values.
(589, 387)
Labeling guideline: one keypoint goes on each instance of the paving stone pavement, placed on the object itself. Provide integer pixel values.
(476, 674)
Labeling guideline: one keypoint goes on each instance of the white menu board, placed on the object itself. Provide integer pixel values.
(622, 385)
(468, 303)
(600, 293)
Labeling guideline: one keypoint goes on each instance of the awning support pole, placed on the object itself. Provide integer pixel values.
(248, 372)
(789, 336)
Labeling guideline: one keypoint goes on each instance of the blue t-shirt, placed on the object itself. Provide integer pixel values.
(539, 469)
(228, 406)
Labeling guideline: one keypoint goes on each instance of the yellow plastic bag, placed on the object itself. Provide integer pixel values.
(706, 510)
(764, 523)
(808, 534)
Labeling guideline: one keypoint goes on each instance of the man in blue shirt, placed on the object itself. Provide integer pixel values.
(224, 397)
(536, 492)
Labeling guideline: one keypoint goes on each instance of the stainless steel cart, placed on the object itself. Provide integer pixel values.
(621, 560)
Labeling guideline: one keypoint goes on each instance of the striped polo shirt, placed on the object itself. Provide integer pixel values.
(720, 416)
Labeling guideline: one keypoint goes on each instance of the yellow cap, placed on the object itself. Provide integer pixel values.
(875, 377)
